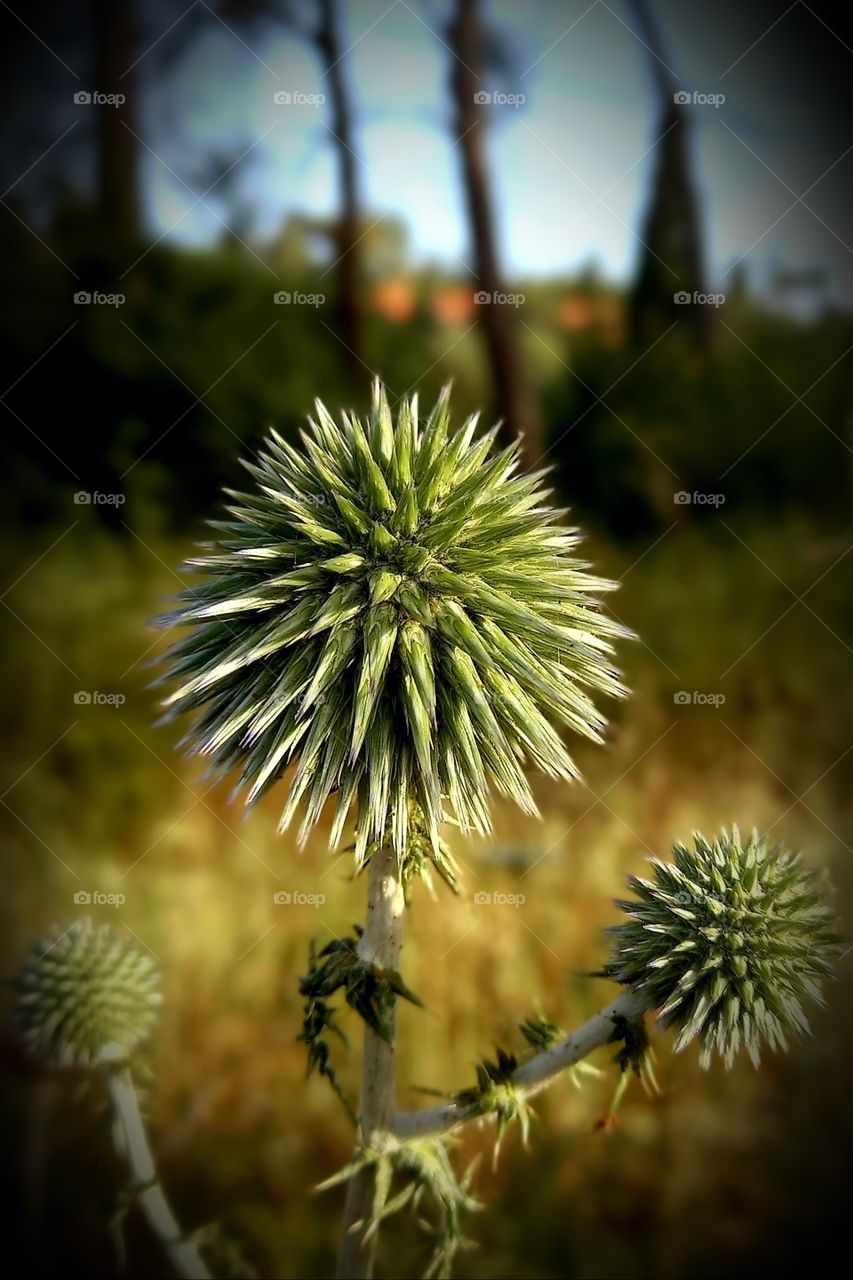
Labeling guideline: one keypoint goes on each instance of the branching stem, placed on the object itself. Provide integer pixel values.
(533, 1075)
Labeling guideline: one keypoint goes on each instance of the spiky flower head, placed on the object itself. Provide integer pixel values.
(85, 995)
(727, 941)
(396, 607)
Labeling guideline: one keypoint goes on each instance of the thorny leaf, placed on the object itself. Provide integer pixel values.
(430, 1189)
(368, 989)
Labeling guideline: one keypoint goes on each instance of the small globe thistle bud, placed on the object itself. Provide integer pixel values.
(727, 941)
(85, 996)
(395, 609)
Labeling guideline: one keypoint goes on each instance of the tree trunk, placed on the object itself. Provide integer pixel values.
(516, 402)
(117, 149)
(671, 253)
(349, 219)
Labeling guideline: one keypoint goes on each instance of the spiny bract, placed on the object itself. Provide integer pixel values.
(727, 941)
(396, 607)
(85, 994)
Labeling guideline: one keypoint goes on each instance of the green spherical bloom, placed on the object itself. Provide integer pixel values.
(86, 995)
(395, 607)
(727, 941)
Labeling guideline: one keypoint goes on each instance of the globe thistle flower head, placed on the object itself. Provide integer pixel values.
(727, 941)
(394, 608)
(85, 995)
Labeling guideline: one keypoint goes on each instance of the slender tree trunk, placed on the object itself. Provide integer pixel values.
(380, 945)
(117, 148)
(349, 218)
(671, 253)
(516, 401)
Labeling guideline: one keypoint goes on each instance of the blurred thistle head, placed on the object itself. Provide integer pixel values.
(727, 941)
(85, 995)
(395, 607)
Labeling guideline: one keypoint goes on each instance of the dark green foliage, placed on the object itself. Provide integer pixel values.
(369, 990)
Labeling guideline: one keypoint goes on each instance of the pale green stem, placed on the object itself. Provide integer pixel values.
(379, 945)
(533, 1075)
(182, 1253)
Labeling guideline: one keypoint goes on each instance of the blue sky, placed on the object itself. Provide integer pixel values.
(584, 130)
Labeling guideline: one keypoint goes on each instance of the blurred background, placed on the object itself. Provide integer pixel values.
(618, 225)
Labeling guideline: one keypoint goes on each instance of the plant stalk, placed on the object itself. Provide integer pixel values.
(182, 1253)
(379, 945)
(533, 1075)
